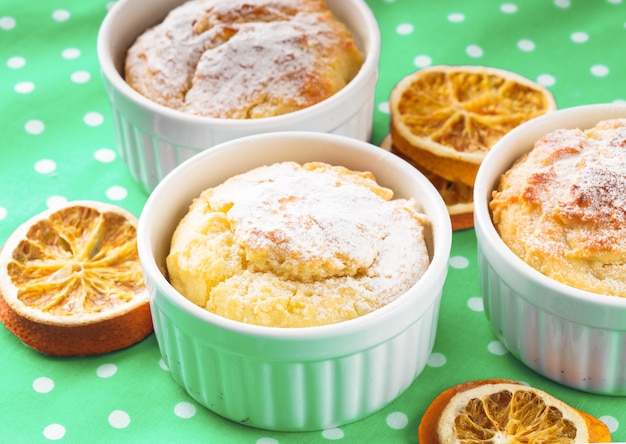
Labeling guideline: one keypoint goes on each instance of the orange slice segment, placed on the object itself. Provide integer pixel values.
(504, 411)
(71, 282)
(457, 196)
(446, 118)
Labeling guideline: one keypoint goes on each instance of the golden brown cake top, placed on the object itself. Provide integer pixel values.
(562, 207)
(243, 58)
(292, 245)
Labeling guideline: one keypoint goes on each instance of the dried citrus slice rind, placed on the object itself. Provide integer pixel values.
(446, 118)
(504, 411)
(71, 283)
(457, 196)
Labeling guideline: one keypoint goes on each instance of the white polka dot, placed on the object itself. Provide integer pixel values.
(397, 420)
(70, 53)
(436, 360)
(184, 410)
(119, 419)
(620, 101)
(61, 15)
(459, 262)
(34, 127)
(599, 70)
(579, 37)
(383, 107)
(562, 3)
(456, 17)
(266, 441)
(422, 61)
(106, 370)
(497, 348)
(7, 23)
(404, 28)
(45, 166)
(117, 192)
(526, 45)
(24, 87)
(474, 51)
(163, 365)
(54, 432)
(56, 201)
(3, 213)
(332, 434)
(615, 2)
(611, 422)
(104, 155)
(93, 119)
(16, 62)
(43, 385)
(80, 77)
(546, 80)
(476, 304)
(508, 8)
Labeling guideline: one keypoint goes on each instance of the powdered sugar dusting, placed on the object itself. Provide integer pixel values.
(598, 195)
(243, 58)
(290, 245)
(324, 222)
(562, 208)
(251, 68)
(578, 176)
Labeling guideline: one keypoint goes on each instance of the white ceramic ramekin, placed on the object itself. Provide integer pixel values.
(153, 139)
(292, 379)
(571, 336)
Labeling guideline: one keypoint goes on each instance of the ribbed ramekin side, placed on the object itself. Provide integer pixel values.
(147, 157)
(359, 124)
(573, 354)
(127, 145)
(296, 396)
(150, 158)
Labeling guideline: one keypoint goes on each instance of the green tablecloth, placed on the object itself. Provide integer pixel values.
(57, 144)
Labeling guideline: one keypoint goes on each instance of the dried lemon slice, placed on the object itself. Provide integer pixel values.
(504, 411)
(71, 282)
(446, 118)
(457, 196)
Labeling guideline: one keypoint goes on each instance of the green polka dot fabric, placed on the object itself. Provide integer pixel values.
(58, 145)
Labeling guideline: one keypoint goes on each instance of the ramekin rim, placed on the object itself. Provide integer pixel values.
(488, 174)
(435, 272)
(368, 69)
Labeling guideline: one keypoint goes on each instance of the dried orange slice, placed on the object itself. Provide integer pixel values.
(505, 411)
(457, 196)
(71, 283)
(446, 118)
